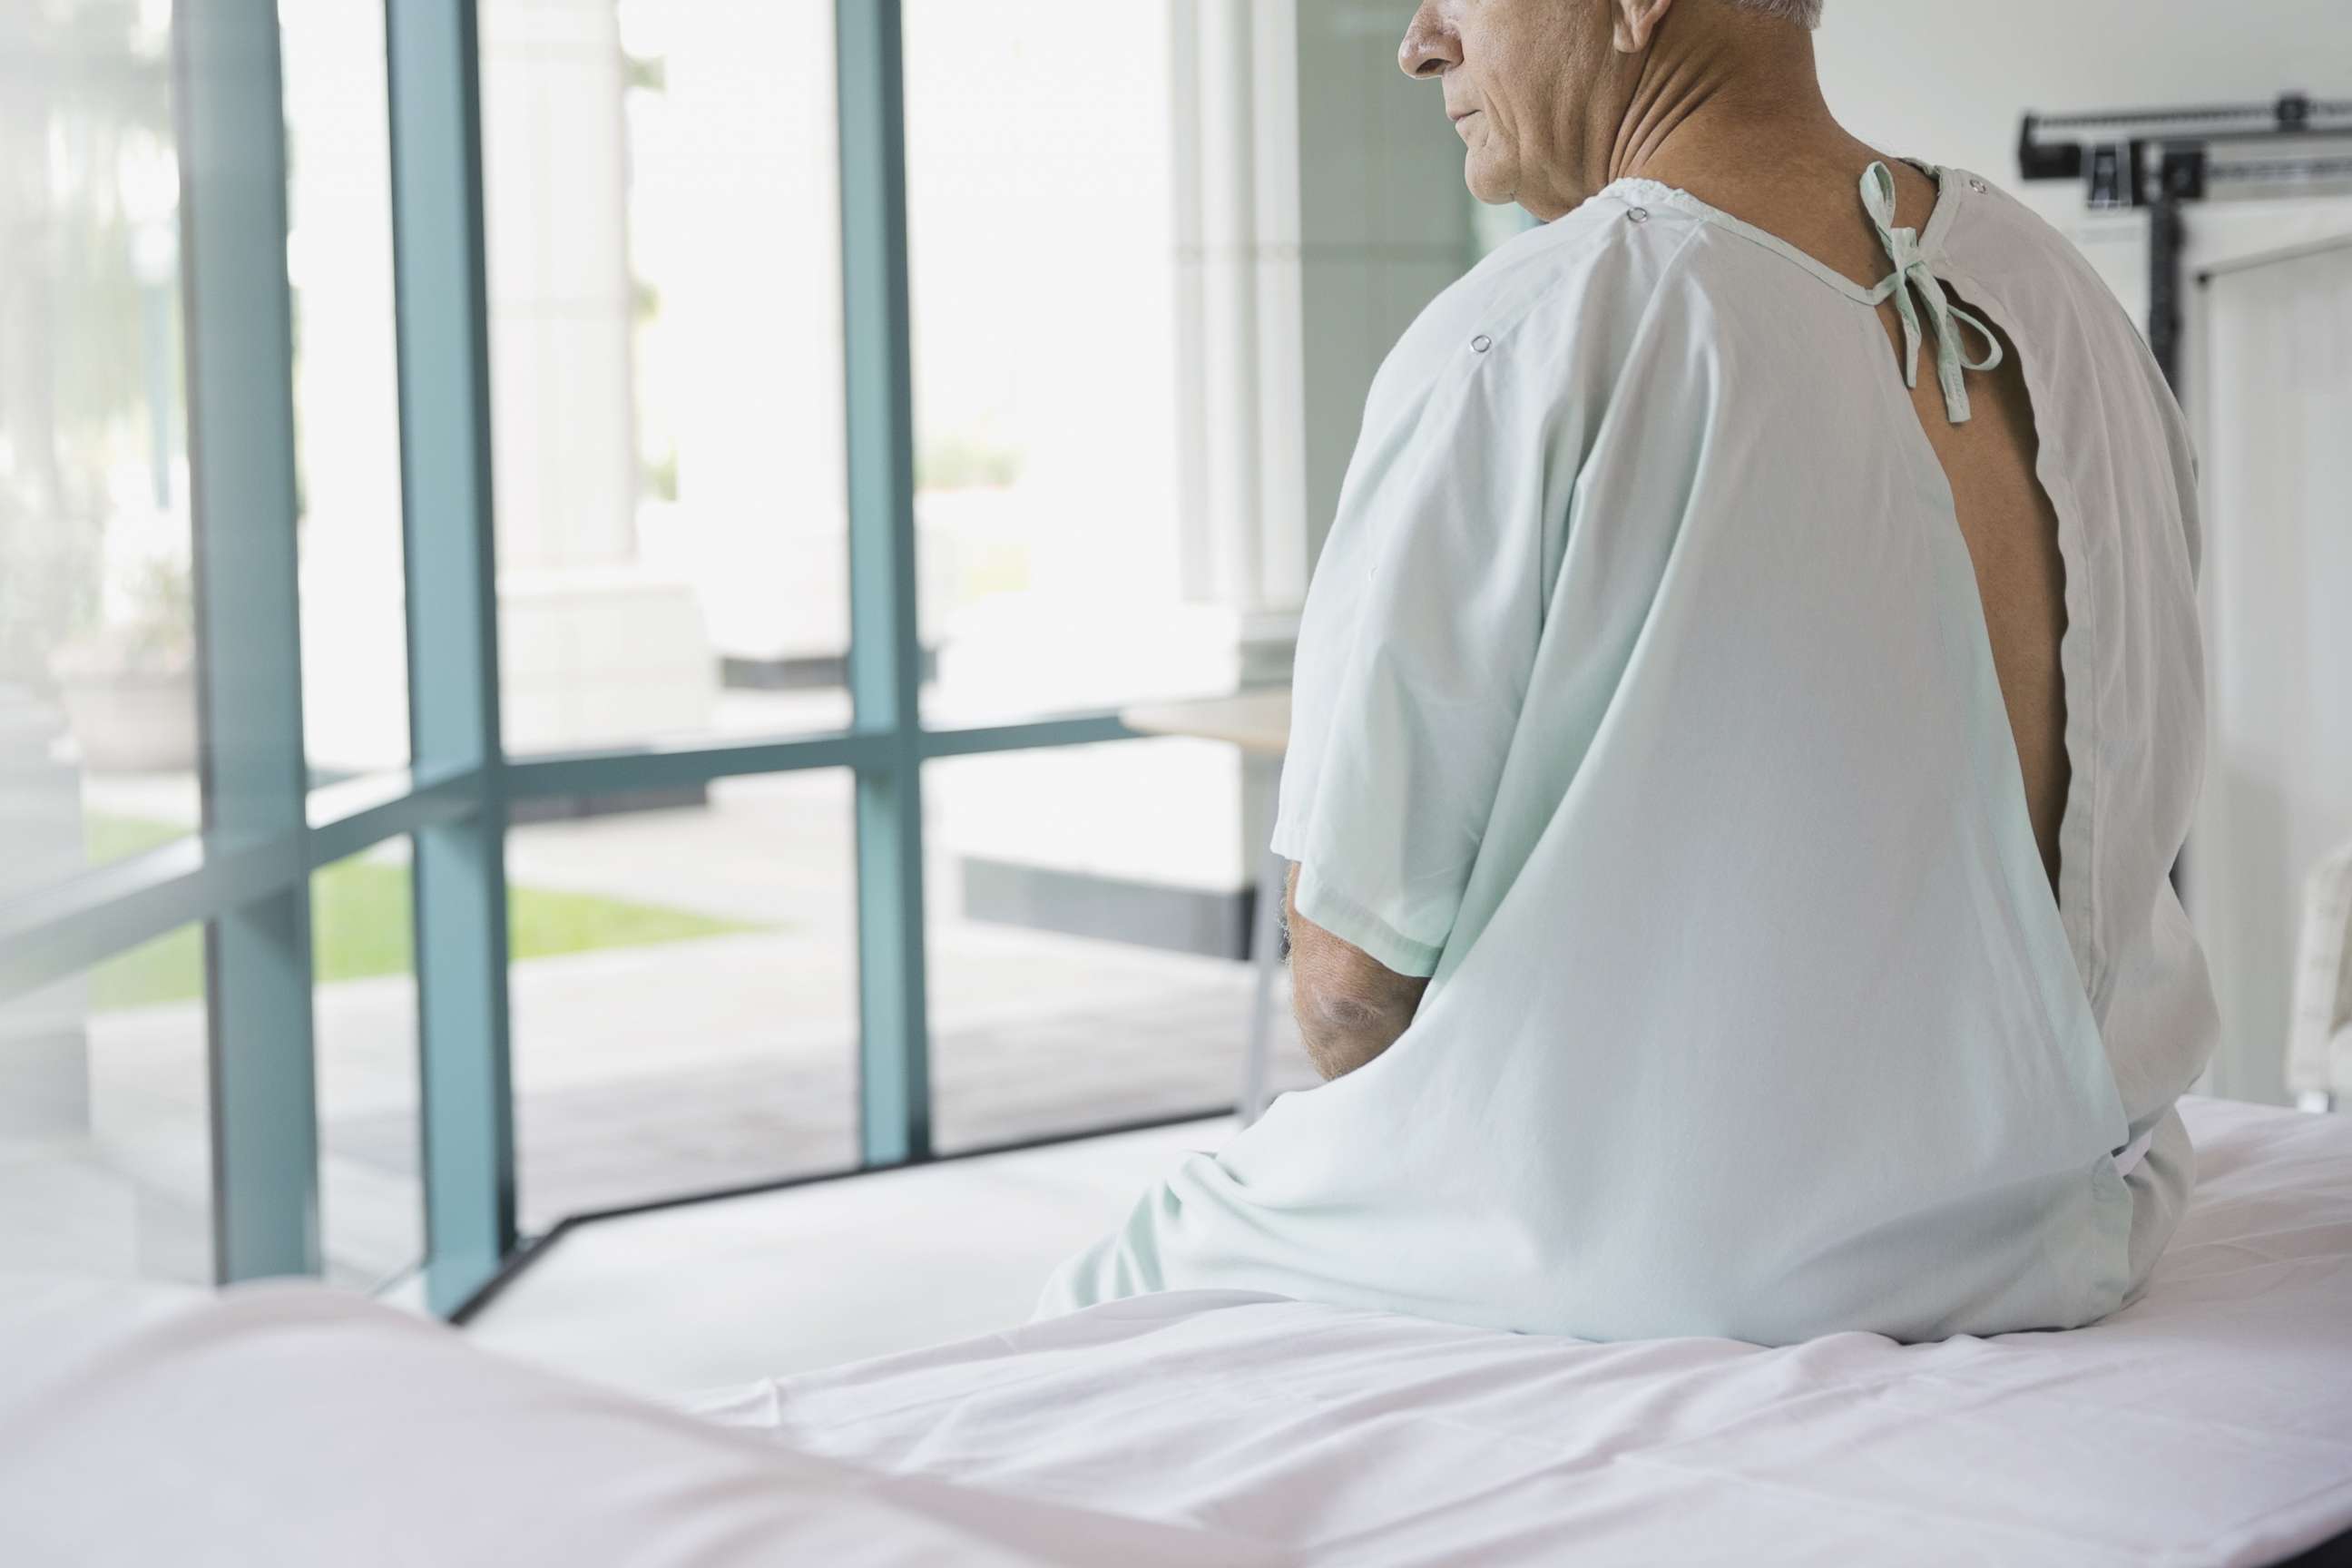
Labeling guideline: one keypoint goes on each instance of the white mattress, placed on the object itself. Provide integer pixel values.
(2208, 1422)
(2211, 1423)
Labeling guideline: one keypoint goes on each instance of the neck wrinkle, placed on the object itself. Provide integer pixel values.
(1715, 92)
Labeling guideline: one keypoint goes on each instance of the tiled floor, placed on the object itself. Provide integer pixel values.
(709, 1294)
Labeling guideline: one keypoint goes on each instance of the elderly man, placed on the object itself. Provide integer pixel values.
(1734, 775)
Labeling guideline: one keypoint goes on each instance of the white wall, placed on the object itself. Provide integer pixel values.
(1925, 78)
(1947, 82)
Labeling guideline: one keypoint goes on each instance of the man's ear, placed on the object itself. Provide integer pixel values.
(1636, 21)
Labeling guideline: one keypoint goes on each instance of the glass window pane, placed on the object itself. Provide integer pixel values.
(1088, 910)
(346, 389)
(363, 969)
(663, 228)
(106, 1119)
(1067, 563)
(685, 995)
(98, 695)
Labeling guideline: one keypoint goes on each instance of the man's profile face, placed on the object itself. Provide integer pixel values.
(1518, 78)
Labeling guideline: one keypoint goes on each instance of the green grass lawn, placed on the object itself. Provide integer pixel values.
(361, 925)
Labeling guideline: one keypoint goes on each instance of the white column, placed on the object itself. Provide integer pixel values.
(1234, 99)
(736, 219)
(555, 193)
(346, 390)
(594, 648)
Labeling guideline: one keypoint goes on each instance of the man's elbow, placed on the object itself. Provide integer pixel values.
(1350, 1008)
(1343, 1030)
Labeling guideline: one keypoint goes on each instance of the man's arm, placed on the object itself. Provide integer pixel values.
(1350, 1006)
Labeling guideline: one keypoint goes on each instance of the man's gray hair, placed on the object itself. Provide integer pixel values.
(1804, 12)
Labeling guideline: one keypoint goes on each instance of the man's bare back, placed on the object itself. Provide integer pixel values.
(2004, 515)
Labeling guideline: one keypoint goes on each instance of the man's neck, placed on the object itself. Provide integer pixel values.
(1734, 111)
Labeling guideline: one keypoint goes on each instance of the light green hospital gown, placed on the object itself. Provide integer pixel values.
(1643, 701)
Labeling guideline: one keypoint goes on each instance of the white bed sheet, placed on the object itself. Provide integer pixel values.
(290, 1426)
(2211, 1423)
(2208, 1422)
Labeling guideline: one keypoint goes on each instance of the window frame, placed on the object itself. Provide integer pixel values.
(247, 874)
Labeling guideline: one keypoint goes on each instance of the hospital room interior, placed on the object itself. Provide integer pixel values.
(676, 679)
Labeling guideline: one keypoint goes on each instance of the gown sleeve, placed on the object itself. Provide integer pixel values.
(1414, 651)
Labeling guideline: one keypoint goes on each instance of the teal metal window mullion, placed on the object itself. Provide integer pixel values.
(885, 655)
(239, 332)
(441, 300)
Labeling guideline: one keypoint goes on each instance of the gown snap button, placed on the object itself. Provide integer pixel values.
(1482, 342)
(1637, 214)
(1976, 185)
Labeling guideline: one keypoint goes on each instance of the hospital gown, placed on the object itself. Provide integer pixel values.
(1645, 702)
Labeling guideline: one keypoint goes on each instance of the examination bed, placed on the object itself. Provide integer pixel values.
(2211, 1422)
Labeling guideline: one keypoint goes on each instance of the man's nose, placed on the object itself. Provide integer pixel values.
(1430, 45)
